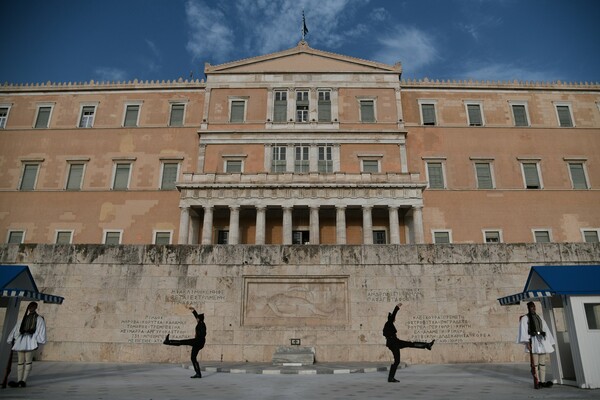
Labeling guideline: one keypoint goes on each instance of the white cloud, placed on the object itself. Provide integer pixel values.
(153, 48)
(415, 48)
(379, 14)
(505, 72)
(209, 35)
(110, 74)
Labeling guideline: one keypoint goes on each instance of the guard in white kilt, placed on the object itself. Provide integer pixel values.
(27, 335)
(533, 327)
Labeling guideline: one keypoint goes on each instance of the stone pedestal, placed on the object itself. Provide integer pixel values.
(294, 355)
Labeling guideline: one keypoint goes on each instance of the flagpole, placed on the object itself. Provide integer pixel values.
(304, 28)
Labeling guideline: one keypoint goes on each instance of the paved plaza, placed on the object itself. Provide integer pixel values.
(103, 381)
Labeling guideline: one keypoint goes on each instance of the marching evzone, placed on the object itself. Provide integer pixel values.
(27, 335)
(394, 344)
(197, 342)
(538, 341)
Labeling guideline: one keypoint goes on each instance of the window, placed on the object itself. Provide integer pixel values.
(29, 177)
(577, 172)
(591, 235)
(474, 114)
(3, 116)
(379, 237)
(531, 175)
(563, 112)
(279, 160)
(324, 106)
(177, 112)
(121, 177)
(169, 175)
(16, 237)
(233, 166)
(592, 315)
(63, 237)
(541, 236)
(75, 177)
(222, 236)
(300, 237)
(428, 113)
(520, 114)
(483, 171)
(43, 116)
(301, 163)
(87, 116)
(370, 166)
(302, 106)
(280, 106)
(442, 237)
(132, 112)
(112, 237)
(492, 236)
(367, 111)
(162, 238)
(325, 163)
(238, 110)
(435, 175)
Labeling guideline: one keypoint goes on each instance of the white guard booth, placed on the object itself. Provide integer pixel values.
(570, 298)
(16, 284)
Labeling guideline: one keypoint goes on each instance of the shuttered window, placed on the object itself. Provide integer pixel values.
(279, 159)
(162, 238)
(590, 236)
(474, 111)
(441, 237)
(302, 106)
(121, 181)
(520, 115)
(564, 116)
(367, 111)
(484, 176)
(3, 117)
(428, 111)
(532, 179)
(542, 236)
(176, 118)
(233, 166)
(280, 110)
(301, 163)
(436, 175)
(237, 111)
(492, 237)
(16, 237)
(371, 166)
(169, 176)
(29, 177)
(324, 106)
(43, 117)
(131, 115)
(578, 176)
(112, 238)
(63, 237)
(325, 163)
(75, 176)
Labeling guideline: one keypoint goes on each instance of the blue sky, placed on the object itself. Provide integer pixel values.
(79, 40)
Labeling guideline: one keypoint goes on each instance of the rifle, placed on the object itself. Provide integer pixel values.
(8, 367)
(536, 381)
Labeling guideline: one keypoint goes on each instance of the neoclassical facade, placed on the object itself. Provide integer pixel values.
(300, 147)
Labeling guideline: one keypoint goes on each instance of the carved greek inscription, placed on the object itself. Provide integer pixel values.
(195, 296)
(295, 302)
(444, 329)
(152, 329)
(394, 295)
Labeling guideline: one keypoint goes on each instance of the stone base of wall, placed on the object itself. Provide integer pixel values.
(121, 301)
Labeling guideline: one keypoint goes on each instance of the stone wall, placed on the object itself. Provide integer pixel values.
(121, 301)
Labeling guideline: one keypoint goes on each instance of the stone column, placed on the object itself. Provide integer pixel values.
(184, 225)
(394, 225)
(340, 224)
(234, 225)
(367, 225)
(418, 224)
(314, 225)
(260, 224)
(207, 225)
(287, 225)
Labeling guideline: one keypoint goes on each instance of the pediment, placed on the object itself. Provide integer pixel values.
(302, 59)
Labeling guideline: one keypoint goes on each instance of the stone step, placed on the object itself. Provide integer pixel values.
(294, 356)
